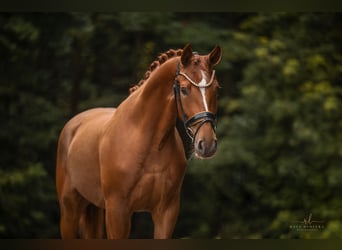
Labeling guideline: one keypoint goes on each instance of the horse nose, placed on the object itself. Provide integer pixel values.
(205, 149)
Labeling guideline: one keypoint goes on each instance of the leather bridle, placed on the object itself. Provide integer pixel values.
(200, 118)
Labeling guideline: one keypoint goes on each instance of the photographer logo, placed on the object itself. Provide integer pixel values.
(308, 225)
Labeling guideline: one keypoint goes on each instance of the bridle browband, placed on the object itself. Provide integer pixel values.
(199, 118)
(196, 84)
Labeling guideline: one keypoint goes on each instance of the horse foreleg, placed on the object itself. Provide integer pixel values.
(164, 219)
(118, 220)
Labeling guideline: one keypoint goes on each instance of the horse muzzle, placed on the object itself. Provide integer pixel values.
(205, 141)
(205, 149)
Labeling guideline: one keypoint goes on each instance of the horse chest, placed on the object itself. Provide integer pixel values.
(160, 177)
(153, 189)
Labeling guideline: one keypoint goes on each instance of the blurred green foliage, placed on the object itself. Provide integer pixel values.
(280, 115)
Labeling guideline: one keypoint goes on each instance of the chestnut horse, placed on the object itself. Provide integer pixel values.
(113, 162)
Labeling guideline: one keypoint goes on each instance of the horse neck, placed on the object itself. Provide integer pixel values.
(153, 107)
(160, 83)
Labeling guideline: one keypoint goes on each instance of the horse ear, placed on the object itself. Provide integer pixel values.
(186, 55)
(215, 55)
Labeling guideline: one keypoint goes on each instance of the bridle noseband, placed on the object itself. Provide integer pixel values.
(199, 118)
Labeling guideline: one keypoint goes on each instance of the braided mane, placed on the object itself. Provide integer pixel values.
(163, 57)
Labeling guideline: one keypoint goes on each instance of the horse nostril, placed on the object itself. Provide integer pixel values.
(201, 145)
(205, 149)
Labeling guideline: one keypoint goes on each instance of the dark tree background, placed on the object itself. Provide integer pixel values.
(280, 115)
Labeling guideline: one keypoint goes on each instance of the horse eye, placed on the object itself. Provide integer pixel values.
(184, 91)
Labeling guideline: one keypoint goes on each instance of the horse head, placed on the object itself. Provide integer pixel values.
(196, 97)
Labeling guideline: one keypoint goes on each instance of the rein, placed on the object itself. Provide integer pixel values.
(199, 118)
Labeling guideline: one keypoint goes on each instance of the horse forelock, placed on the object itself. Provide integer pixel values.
(162, 58)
